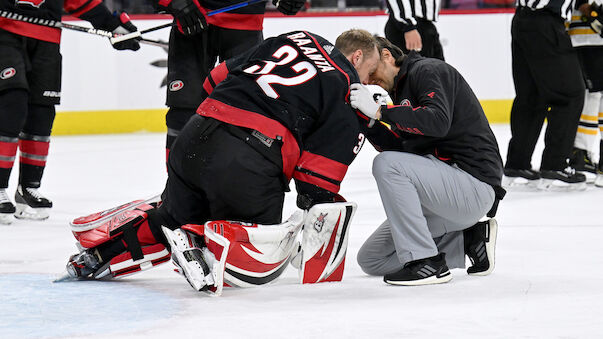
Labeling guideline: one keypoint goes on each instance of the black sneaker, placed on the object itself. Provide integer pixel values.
(567, 179)
(519, 178)
(31, 204)
(6, 208)
(581, 161)
(480, 244)
(421, 272)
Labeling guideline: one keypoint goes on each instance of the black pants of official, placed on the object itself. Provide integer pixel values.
(190, 59)
(215, 175)
(430, 38)
(548, 84)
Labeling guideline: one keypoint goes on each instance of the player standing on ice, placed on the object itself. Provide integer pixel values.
(277, 112)
(197, 41)
(30, 87)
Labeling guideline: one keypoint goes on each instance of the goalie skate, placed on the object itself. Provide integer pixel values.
(190, 260)
(31, 204)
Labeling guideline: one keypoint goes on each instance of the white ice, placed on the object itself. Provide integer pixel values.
(547, 282)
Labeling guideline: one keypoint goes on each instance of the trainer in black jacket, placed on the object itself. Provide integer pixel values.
(438, 175)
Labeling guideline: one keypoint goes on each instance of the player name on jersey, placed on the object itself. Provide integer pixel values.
(312, 53)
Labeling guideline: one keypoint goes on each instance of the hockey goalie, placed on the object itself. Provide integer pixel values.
(278, 113)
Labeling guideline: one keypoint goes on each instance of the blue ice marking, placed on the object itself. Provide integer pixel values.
(34, 307)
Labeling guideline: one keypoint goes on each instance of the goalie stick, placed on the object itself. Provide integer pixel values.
(94, 31)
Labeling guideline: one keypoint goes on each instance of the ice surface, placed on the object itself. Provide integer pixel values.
(547, 282)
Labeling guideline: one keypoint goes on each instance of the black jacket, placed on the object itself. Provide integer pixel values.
(438, 113)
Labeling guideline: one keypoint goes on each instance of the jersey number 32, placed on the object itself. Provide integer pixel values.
(285, 55)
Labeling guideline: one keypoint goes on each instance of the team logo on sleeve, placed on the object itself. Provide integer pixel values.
(34, 3)
(406, 103)
(7, 73)
(176, 85)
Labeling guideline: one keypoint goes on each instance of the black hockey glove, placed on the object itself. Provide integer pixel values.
(595, 18)
(289, 7)
(189, 17)
(122, 25)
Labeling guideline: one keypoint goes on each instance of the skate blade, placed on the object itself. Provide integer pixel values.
(590, 177)
(64, 277)
(519, 184)
(26, 212)
(6, 218)
(599, 180)
(560, 186)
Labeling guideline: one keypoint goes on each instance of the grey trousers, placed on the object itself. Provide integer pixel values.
(428, 204)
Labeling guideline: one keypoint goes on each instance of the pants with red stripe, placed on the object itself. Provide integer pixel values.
(25, 127)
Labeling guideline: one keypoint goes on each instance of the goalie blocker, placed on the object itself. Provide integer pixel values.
(125, 240)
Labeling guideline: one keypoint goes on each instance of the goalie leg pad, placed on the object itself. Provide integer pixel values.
(257, 254)
(123, 264)
(325, 241)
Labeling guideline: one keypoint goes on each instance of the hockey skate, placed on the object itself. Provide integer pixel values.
(31, 204)
(82, 266)
(581, 161)
(599, 179)
(191, 261)
(521, 179)
(562, 181)
(6, 208)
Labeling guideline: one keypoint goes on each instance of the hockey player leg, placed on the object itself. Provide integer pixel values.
(324, 242)
(116, 242)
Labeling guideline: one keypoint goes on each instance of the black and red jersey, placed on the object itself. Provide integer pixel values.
(250, 17)
(90, 10)
(294, 87)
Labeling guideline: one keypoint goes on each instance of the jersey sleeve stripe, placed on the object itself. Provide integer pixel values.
(329, 186)
(83, 7)
(323, 166)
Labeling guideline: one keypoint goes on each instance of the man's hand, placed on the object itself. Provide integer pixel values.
(362, 99)
(413, 40)
(188, 15)
(123, 25)
(289, 7)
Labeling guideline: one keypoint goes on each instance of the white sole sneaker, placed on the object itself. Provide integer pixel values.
(444, 278)
(490, 248)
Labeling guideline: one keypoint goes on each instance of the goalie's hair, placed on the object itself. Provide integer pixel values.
(356, 39)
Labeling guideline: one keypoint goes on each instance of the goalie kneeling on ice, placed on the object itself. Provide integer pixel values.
(259, 254)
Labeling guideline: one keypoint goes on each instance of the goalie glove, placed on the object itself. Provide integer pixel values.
(289, 7)
(121, 26)
(362, 99)
(189, 16)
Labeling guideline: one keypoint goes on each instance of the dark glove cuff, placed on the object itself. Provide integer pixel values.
(101, 18)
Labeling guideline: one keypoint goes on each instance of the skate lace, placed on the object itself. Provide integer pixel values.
(569, 170)
(34, 193)
(3, 196)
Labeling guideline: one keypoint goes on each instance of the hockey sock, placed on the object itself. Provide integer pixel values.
(13, 111)
(34, 142)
